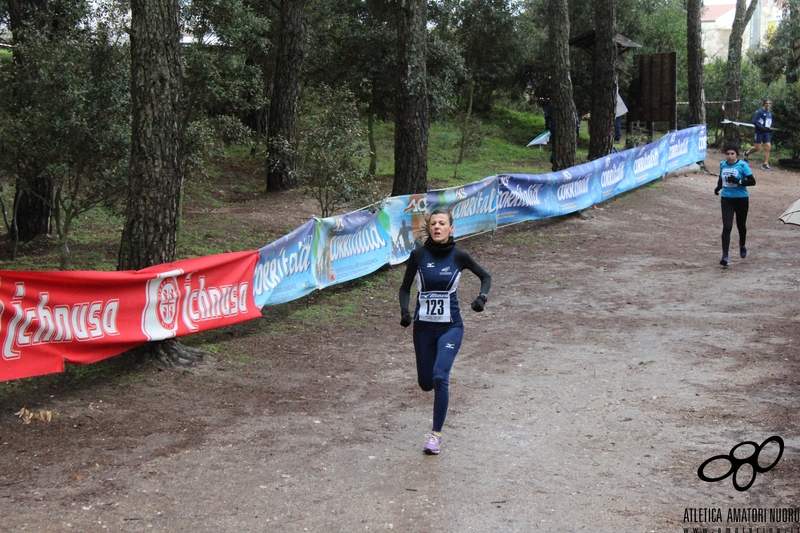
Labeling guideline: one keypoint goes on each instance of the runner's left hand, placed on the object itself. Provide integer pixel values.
(478, 304)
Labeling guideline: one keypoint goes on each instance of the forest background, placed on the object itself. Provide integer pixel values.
(68, 76)
(284, 409)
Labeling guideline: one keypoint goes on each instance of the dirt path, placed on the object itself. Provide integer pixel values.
(614, 357)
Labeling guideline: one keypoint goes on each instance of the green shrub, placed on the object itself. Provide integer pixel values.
(333, 154)
(786, 111)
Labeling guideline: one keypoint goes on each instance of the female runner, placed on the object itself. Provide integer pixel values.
(734, 178)
(438, 328)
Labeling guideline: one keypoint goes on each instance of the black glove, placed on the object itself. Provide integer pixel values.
(767, 130)
(716, 191)
(406, 318)
(479, 303)
(734, 179)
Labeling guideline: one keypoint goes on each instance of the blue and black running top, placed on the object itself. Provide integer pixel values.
(734, 179)
(437, 269)
(762, 120)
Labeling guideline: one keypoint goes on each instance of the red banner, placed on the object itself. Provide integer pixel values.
(80, 317)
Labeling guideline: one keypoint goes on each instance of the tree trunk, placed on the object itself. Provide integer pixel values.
(34, 196)
(267, 63)
(793, 66)
(267, 70)
(694, 53)
(32, 14)
(157, 136)
(373, 146)
(282, 128)
(63, 221)
(733, 78)
(564, 136)
(150, 235)
(412, 119)
(601, 140)
(33, 209)
(466, 129)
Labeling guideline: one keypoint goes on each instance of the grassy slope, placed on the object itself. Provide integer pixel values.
(232, 185)
(500, 147)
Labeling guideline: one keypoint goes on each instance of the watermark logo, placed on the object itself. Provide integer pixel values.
(737, 463)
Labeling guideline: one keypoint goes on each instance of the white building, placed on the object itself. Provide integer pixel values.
(717, 20)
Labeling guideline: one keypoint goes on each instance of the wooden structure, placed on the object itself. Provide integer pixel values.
(654, 90)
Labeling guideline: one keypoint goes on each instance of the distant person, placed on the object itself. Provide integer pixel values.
(438, 329)
(762, 120)
(734, 178)
(548, 116)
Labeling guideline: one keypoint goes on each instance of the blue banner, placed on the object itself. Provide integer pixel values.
(519, 198)
(680, 146)
(474, 206)
(534, 196)
(686, 146)
(702, 142)
(350, 246)
(406, 216)
(649, 161)
(283, 272)
(327, 251)
(614, 174)
(577, 188)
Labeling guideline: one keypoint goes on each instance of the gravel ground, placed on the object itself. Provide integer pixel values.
(614, 357)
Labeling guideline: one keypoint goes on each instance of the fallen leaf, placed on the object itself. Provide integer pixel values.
(42, 415)
(24, 415)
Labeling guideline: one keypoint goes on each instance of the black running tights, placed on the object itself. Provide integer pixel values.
(731, 206)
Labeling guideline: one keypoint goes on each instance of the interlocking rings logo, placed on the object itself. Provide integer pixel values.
(737, 463)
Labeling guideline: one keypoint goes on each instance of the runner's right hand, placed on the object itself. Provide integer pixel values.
(406, 319)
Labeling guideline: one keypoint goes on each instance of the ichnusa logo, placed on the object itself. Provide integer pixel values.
(736, 463)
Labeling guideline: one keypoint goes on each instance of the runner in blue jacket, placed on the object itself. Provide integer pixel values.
(762, 121)
(734, 178)
(438, 328)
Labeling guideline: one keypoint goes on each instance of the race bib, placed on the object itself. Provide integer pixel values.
(434, 306)
(726, 173)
